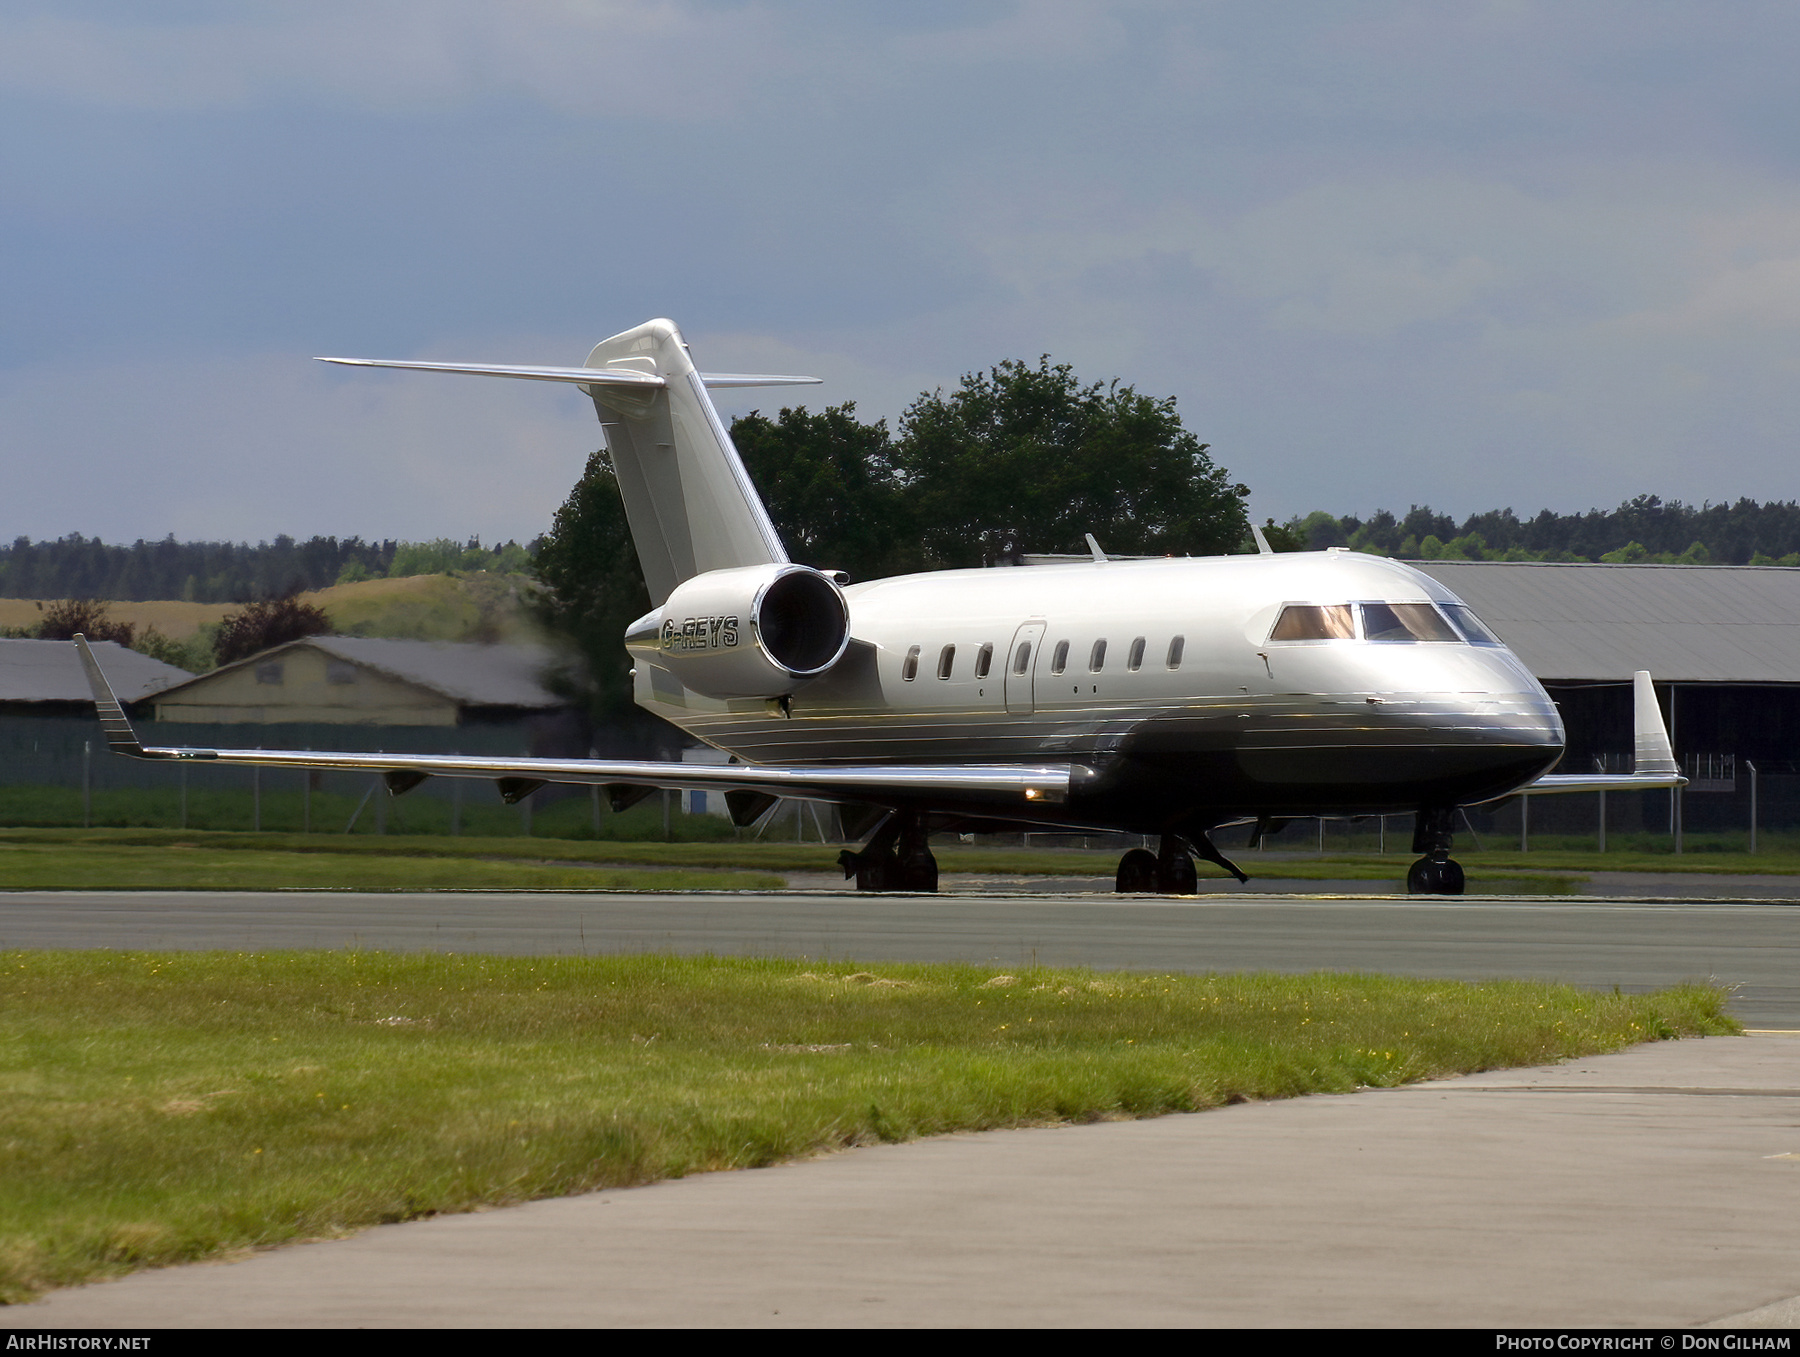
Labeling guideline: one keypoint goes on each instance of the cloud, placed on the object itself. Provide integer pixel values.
(642, 60)
(1505, 252)
(252, 446)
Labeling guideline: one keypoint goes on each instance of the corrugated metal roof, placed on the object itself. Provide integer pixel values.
(50, 671)
(1684, 623)
(467, 674)
(474, 675)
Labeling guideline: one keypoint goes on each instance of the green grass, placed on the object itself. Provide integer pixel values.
(161, 859)
(49, 857)
(195, 868)
(286, 811)
(160, 1108)
(138, 859)
(1498, 864)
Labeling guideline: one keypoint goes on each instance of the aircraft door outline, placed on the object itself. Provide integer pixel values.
(1021, 693)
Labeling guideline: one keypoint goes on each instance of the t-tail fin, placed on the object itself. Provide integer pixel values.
(688, 499)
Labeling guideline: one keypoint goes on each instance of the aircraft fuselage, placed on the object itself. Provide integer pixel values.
(1163, 682)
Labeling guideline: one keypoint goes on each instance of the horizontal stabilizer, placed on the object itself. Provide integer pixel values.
(627, 377)
(755, 379)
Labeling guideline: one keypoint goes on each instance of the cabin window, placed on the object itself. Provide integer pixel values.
(1176, 645)
(340, 672)
(1097, 657)
(1314, 622)
(946, 660)
(269, 672)
(1135, 660)
(1469, 625)
(1059, 658)
(1022, 657)
(1405, 622)
(909, 668)
(984, 660)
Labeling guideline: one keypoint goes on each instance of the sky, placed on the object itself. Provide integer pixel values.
(1475, 255)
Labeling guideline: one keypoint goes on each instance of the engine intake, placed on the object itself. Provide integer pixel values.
(752, 631)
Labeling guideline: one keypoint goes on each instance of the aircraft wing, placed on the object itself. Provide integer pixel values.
(750, 788)
(1654, 763)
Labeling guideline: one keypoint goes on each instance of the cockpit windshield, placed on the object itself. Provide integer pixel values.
(1385, 622)
(1314, 622)
(1465, 621)
(1404, 622)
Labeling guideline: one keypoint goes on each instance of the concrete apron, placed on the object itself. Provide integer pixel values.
(1656, 1187)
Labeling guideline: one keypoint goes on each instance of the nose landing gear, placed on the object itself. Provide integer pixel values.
(1435, 873)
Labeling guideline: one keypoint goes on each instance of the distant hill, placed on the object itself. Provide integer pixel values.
(474, 605)
(228, 572)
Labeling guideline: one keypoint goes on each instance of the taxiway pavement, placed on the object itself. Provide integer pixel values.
(1650, 1188)
(1751, 946)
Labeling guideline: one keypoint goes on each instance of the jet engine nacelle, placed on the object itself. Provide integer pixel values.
(752, 631)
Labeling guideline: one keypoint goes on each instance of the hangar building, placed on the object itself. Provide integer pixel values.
(1722, 643)
(351, 680)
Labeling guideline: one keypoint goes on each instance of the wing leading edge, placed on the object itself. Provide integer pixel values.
(990, 787)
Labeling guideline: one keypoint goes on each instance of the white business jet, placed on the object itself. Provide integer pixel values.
(1162, 697)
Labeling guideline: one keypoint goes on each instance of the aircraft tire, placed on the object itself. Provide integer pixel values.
(1137, 873)
(1428, 877)
(1175, 875)
(877, 872)
(917, 871)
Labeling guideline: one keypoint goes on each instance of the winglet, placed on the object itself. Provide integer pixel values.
(1262, 543)
(120, 737)
(1654, 753)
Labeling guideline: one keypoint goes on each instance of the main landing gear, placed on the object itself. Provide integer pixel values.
(1169, 870)
(897, 858)
(1435, 873)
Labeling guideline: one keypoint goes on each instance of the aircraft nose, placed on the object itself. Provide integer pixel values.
(1539, 718)
(1521, 732)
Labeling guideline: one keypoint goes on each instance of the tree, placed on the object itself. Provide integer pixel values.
(1320, 530)
(88, 616)
(1024, 456)
(829, 483)
(1282, 537)
(1016, 458)
(591, 589)
(265, 623)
